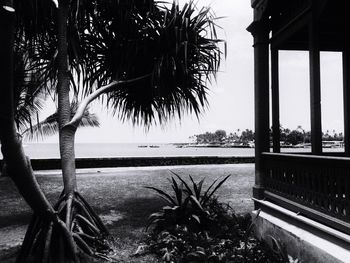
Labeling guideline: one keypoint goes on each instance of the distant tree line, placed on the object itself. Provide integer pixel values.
(222, 137)
(299, 135)
(288, 137)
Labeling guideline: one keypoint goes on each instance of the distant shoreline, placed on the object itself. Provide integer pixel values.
(190, 145)
(325, 144)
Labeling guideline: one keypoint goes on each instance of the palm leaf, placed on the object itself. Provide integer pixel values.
(45, 128)
(29, 90)
(214, 190)
(49, 126)
(177, 190)
(168, 45)
(176, 49)
(206, 193)
(196, 202)
(163, 195)
(188, 189)
(197, 187)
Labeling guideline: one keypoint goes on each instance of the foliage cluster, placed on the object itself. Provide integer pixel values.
(196, 227)
(161, 55)
(189, 206)
(220, 137)
(300, 135)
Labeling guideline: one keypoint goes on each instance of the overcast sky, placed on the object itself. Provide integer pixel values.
(231, 98)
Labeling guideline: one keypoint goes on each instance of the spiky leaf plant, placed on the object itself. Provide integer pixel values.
(196, 227)
(189, 205)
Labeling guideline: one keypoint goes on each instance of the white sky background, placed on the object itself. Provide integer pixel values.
(231, 98)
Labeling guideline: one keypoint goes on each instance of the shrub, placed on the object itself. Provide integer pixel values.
(196, 227)
(189, 205)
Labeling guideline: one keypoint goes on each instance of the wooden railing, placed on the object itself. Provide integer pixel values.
(316, 186)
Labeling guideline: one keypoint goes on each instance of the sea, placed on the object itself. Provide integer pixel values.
(88, 150)
(100, 150)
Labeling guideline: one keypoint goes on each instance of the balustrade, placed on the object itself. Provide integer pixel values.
(318, 186)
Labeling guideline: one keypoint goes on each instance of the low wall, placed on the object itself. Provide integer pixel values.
(51, 164)
(303, 239)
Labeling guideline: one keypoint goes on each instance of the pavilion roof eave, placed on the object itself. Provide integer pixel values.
(294, 34)
(304, 47)
(284, 34)
(328, 42)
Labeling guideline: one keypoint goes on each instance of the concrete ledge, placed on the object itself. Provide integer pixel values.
(51, 164)
(306, 240)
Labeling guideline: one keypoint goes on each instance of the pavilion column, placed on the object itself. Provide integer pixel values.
(315, 88)
(276, 134)
(346, 95)
(260, 32)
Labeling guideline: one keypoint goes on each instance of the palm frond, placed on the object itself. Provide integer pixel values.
(45, 128)
(37, 28)
(49, 126)
(29, 90)
(208, 195)
(176, 46)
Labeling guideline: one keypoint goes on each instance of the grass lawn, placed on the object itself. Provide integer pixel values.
(119, 197)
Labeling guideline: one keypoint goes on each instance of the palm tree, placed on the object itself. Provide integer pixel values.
(150, 62)
(303, 131)
(18, 164)
(30, 94)
(148, 75)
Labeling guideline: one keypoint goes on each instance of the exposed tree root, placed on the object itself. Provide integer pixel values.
(58, 237)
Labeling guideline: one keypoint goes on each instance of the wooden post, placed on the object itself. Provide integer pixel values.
(276, 134)
(346, 96)
(315, 88)
(259, 29)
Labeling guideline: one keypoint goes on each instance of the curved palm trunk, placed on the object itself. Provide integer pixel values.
(18, 165)
(46, 222)
(55, 233)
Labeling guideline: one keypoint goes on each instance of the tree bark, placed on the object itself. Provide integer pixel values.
(66, 136)
(48, 237)
(18, 165)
